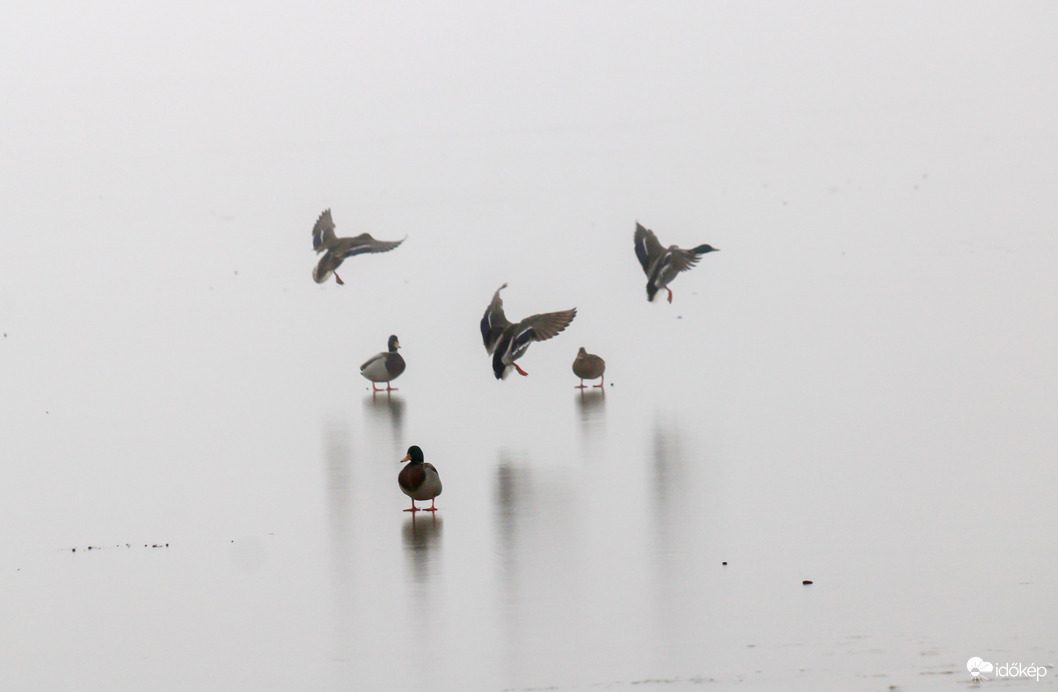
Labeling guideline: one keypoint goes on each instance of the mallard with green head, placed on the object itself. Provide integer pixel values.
(384, 367)
(661, 264)
(419, 480)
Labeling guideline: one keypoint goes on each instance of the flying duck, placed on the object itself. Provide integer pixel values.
(508, 342)
(335, 250)
(661, 265)
(419, 480)
(588, 366)
(384, 367)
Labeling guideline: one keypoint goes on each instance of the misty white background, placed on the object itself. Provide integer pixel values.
(859, 389)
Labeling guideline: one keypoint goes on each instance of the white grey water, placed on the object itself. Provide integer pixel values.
(858, 390)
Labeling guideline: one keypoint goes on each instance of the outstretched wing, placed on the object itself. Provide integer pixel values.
(364, 243)
(681, 260)
(494, 321)
(543, 326)
(323, 231)
(648, 246)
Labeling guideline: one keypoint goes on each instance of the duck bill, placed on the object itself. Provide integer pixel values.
(407, 457)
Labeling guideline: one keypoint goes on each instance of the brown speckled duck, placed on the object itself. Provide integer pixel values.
(419, 480)
(660, 264)
(335, 250)
(588, 366)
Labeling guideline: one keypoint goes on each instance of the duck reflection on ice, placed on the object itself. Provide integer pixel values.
(337, 457)
(514, 495)
(669, 459)
(337, 462)
(513, 492)
(592, 406)
(386, 408)
(422, 543)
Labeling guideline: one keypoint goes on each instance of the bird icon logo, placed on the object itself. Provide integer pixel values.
(978, 667)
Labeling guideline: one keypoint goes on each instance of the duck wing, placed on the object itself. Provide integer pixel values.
(648, 247)
(681, 260)
(543, 326)
(364, 243)
(373, 359)
(323, 231)
(494, 321)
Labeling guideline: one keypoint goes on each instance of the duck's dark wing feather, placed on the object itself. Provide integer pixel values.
(647, 246)
(682, 260)
(493, 322)
(363, 243)
(543, 326)
(323, 231)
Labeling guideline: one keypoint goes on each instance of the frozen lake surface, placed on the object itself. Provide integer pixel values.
(860, 390)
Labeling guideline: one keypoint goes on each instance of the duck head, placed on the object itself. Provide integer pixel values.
(414, 455)
(394, 344)
(652, 291)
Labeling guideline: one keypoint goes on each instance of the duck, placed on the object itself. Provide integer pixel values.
(335, 250)
(507, 342)
(385, 366)
(660, 264)
(588, 366)
(419, 480)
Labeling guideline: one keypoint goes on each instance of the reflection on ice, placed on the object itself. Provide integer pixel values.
(513, 491)
(337, 459)
(667, 456)
(422, 544)
(592, 407)
(388, 409)
(669, 478)
(338, 473)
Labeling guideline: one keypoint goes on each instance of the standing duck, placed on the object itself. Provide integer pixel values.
(588, 366)
(508, 342)
(419, 480)
(384, 367)
(660, 264)
(335, 250)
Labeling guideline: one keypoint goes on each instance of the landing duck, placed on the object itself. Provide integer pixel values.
(660, 264)
(385, 366)
(419, 480)
(335, 250)
(507, 342)
(588, 366)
